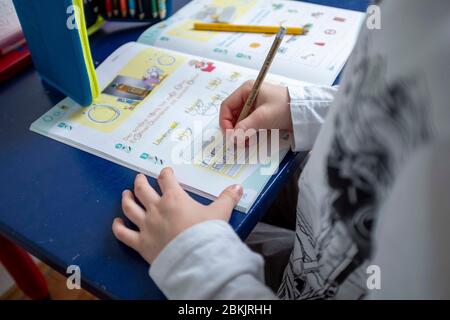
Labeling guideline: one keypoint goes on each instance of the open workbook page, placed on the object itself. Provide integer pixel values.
(160, 108)
(316, 57)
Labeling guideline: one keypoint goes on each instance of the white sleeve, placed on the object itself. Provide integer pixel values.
(412, 234)
(209, 261)
(309, 107)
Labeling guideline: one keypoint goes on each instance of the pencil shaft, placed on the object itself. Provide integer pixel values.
(132, 7)
(262, 74)
(116, 7)
(140, 9)
(123, 8)
(108, 8)
(245, 28)
(155, 10)
(162, 9)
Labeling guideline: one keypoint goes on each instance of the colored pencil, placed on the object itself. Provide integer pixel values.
(116, 7)
(162, 9)
(123, 8)
(108, 8)
(132, 7)
(141, 11)
(245, 28)
(155, 9)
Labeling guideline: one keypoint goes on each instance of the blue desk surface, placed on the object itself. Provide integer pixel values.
(58, 202)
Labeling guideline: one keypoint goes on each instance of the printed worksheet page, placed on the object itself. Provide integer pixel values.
(316, 56)
(160, 108)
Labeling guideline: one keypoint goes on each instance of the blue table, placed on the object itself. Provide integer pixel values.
(58, 202)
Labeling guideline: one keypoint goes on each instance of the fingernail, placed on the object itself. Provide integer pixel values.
(124, 192)
(237, 189)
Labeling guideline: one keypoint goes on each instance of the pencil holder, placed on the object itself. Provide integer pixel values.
(149, 11)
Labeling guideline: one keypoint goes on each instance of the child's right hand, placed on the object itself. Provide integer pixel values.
(271, 109)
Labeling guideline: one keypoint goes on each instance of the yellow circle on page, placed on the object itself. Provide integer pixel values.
(255, 45)
(103, 113)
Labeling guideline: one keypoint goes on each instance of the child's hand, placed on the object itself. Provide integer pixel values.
(162, 218)
(271, 109)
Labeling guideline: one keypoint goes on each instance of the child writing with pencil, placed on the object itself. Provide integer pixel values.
(373, 196)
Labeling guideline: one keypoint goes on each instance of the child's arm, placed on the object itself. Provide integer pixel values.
(309, 106)
(209, 261)
(195, 253)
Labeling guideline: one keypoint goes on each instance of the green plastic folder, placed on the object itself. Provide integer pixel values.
(56, 34)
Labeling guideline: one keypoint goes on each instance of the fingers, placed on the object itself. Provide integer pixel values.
(125, 235)
(131, 209)
(255, 120)
(167, 181)
(226, 201)
(144, 191)
(231, 106)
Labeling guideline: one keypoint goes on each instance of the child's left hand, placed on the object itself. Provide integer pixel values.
(162, 218)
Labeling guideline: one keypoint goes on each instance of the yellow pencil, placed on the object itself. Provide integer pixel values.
(245, 28)
(262, 74)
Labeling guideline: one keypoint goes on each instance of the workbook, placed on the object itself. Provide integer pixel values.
(160, 97)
